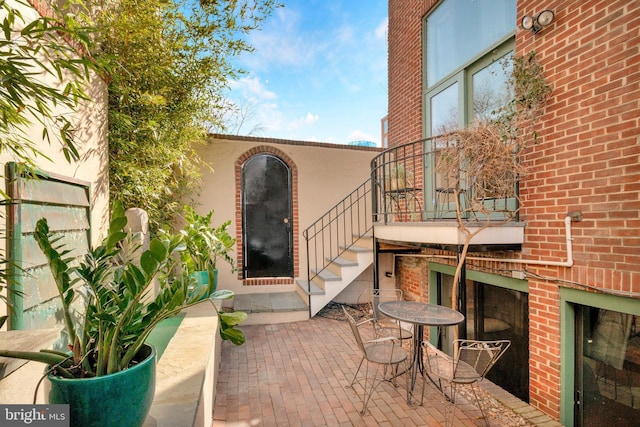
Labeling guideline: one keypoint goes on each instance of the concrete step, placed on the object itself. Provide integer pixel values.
(271, 308)
(309, 289)
(344, 262)
(327, 275)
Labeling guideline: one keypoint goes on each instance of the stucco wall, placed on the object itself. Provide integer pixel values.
(90, 122)
(323, 175)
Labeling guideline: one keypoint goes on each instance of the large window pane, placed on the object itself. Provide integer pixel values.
(459, 30)
(610, 368)
(494, 313)
(490, 89)
(444, 110)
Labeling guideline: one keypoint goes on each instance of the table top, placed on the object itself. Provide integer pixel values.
(421, 313)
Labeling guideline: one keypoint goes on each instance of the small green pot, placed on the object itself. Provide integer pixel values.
(213, 280)
(122, 399)
(202, 278)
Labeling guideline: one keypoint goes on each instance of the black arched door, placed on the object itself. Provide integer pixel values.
(267, 217)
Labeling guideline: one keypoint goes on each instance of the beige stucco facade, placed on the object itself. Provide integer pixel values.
(90, 123)
(323, 174)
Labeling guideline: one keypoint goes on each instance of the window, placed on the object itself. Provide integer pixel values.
(600, 359)
(495, 307)
(608, 367)
(460, 30)
(468, 46)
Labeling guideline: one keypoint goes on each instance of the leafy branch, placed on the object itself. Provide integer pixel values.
(118, 318)
(481, 164)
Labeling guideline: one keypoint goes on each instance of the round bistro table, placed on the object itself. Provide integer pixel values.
(419, 314)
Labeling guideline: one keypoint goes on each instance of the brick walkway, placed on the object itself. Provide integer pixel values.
(294, 374)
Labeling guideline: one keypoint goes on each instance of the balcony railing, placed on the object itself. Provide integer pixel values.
(410, 186)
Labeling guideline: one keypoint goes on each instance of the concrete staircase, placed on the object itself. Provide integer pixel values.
(337, 276)
(281, 307)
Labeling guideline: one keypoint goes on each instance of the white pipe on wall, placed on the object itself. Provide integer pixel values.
(567, 263)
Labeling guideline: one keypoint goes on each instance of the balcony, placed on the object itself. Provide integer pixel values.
(426, 195)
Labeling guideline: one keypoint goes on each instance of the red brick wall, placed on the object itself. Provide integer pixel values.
(587, 158)
(588, 154)
(405, 69)
(42, 7)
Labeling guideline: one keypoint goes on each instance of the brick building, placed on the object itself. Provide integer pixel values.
(568, 293)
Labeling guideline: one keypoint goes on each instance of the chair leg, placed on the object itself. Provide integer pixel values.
(454, 390)
(372, 386)
(356, 374)
(484, 416)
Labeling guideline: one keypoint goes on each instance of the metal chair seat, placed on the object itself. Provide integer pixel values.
(386, 352)
(470, 364)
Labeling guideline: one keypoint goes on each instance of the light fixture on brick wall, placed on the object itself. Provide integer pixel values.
(535, 23)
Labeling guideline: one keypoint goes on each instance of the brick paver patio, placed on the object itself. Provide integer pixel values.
(295, 374)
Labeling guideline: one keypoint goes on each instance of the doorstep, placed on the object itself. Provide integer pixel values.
(271, 308)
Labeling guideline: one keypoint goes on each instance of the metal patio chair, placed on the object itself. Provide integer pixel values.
(470, 364)
(386, 352)
(383, 325)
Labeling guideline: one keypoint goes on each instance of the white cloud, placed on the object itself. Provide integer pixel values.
(252, 87)
(270, 117)
(307, 120)
(280, 42)
(317, 60)
(382, 29)
(344, 35)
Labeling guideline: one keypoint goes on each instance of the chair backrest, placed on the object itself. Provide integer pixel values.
(479, 355)
(373, 297)
(355, 330)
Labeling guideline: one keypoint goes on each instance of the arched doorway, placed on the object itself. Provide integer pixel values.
(267, 232)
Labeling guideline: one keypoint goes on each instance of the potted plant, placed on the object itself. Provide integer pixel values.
(108, 354)
(205, 245)
(398, 178)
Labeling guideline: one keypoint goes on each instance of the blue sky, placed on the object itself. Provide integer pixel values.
(318, 73)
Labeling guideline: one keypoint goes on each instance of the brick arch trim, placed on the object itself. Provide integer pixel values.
(242, 159)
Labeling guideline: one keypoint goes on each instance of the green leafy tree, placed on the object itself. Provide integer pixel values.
(169, 63)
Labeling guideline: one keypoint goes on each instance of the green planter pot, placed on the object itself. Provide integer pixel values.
(202, 277)
(213, 280)
(122, 399)
(207, 280)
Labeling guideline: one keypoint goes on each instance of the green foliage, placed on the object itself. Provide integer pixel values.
(169, 63)
(29, 48)
(530, 92)
(205, 245)
(119, 314)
